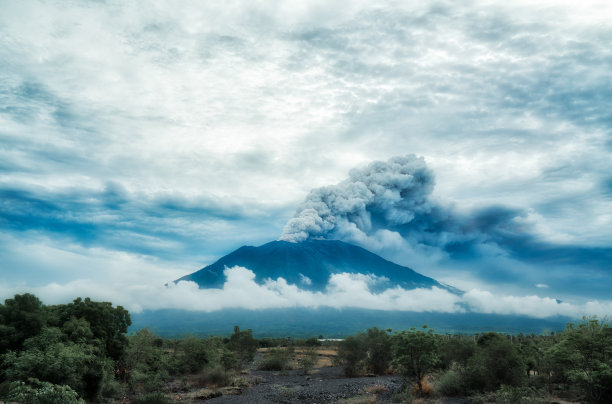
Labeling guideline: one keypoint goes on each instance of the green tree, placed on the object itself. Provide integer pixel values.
(49, 358)
(415, 354)
(583, 357)
(21, 317)
(107, 323)
(78, 330)
(243, 345)
(37, 392)
(352, 355)
(378, 347)
(456, 350)
(495, 362)
(144, 363)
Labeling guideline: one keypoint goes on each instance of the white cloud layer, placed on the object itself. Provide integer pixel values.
(178, 133)
(344, 290)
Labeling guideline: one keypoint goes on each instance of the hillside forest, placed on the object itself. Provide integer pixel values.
(82, 352)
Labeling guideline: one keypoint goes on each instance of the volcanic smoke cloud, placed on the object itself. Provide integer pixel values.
(388, 204)
(381, 195)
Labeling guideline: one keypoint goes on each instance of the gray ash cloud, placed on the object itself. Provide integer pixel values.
(380, 195)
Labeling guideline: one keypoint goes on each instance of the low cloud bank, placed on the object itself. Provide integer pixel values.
(344, 290)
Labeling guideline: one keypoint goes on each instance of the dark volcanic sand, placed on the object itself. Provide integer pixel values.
(327, 385)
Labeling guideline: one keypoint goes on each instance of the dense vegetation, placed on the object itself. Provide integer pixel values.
(491, 367)
(81, 351)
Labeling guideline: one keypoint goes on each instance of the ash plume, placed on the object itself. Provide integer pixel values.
(387, 205)
(379, 196)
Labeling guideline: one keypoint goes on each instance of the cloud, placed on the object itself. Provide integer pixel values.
(388, 207)
(344, 290)
(378, 196)
(164, 225)
(180, 133)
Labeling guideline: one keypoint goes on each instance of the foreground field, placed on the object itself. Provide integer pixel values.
(325, 384)
(80, 352)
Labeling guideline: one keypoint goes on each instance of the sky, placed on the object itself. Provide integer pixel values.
(141, 141)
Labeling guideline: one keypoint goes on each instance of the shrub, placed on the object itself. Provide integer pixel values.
(451, 383)
(308, 361)
(37, 392)
(423, 389)
(216, 376)
(312, 342)
(228, 360)
(276, 359)
(404, 397)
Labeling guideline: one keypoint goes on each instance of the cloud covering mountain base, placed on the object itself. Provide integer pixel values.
(344, 290)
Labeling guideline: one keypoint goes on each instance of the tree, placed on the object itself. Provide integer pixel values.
(416, 354)
(352, 355)
(584, 358)
(37, 392)
(243, 345)
(107, 323)
(496, 362)
(456, 350)
(21, 317)
(49, 358)
(143, 360)
(378, 348)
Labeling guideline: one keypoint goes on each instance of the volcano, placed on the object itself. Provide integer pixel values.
(310, 264)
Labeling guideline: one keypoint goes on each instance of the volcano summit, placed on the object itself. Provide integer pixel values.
(310, 264)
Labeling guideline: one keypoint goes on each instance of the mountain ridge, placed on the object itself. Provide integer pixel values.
(310, 265)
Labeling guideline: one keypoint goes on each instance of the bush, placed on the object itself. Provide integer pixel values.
(308, 361)
(228, 360)
(276, 359)
(404, 397)
(451, 383)
(37, 392)
(194, 352)
(144, 380)
(216, 376)
(312, 342)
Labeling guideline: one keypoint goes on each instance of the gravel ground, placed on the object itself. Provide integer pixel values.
(327, 385)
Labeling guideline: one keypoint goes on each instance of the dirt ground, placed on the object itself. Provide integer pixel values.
(326, 385)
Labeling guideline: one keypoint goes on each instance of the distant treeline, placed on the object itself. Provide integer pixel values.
(81, 351)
